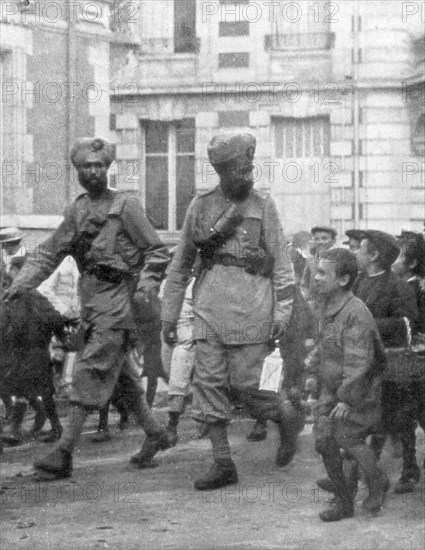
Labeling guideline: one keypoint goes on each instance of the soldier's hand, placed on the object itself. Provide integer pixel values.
(340, 412)
(310, 385)
(277, 330)
(169, 333)
(150, 294)
(11, 293)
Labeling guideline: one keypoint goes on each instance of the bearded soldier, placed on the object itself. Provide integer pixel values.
(242, 301)
(119, 255)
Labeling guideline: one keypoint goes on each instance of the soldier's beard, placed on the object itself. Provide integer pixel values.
(238, 189)
(95, 186)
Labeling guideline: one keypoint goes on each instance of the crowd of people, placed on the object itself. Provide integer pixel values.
(348, 320)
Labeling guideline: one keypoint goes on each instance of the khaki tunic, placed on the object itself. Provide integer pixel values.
(233, 309)
(230, 303)
(124, 240)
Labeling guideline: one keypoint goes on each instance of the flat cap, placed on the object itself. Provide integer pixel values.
(225, 148)
(10, 235)
(353, 234)
(324, 228)
(96, 148)
(386, 244)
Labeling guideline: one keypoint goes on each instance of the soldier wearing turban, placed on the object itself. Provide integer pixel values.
(242, 301)
(121, 261)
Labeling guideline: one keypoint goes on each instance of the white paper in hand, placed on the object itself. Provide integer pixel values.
(272, 372)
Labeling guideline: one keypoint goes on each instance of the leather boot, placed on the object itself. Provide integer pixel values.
(258, 432)
(290, 420)
(202, 430)
(172, 435)
(58, 464)
(49, 437)
(171, 428)
(410, 476)
(223, 472)
(410, 473)
(378, 487)
(40, 416)
(351, 472)
(151, 445)
(341, 506)
(144, 416)
(12, 435)
(50, 409)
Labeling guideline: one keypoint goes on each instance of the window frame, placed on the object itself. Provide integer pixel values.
(172, 154)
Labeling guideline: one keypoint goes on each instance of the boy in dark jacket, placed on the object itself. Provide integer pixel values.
(393, 306)
(349, 362)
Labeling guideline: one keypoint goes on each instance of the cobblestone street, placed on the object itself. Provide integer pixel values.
(109, 504)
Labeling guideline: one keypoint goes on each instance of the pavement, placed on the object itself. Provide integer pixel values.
(108, 503)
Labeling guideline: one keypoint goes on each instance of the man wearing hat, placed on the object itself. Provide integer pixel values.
(354, 239)
(241, 302)
(393, 307)
(10, 241)
(322, 238)
(119, 257)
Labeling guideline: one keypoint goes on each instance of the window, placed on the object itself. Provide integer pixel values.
(7, 115)
(185, 26)
(238, 28)
(235, 59)
(170, 171)
(302, 137)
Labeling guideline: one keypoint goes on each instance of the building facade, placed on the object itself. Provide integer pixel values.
(333, 91)
(55, 59)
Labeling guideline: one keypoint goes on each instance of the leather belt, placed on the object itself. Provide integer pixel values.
(107, 274)
(229, 261)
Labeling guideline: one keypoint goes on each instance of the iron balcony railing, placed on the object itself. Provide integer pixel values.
(300, 41)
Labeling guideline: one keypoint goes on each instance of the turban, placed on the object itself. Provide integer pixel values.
(97, 148)
(232, 151)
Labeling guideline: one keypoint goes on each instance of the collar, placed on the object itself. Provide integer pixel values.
(333, 308)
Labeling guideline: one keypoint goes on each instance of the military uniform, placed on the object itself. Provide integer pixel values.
(109, 267)
(233, 309)
(121, 261)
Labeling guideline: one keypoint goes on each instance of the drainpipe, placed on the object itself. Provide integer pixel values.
(356, 109)
(71, 56)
